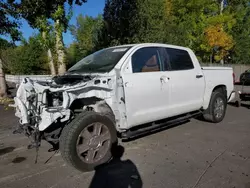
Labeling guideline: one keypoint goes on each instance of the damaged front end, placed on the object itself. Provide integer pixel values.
(44, 108)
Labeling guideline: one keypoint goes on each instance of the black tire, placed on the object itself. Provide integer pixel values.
(70, 134)
(209, 114)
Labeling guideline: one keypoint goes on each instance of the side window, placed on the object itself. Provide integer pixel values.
(146, 60)
(179, 59)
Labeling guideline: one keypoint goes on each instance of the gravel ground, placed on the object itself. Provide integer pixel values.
(195, 154)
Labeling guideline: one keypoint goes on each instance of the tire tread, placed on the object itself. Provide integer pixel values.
(69, 132)
(208, 114)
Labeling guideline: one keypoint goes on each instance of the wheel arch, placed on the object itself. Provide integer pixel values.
(92, 104)
(220, 88)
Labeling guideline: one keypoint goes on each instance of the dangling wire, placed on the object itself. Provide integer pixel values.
(51, 157)
(37, 140)
(36, 155)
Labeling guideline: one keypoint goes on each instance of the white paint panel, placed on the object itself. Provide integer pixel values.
(215, 78)
(186, 91)
(146, 97)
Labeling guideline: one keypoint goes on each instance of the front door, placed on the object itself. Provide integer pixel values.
(146, 88)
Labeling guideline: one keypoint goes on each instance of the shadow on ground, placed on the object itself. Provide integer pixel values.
(245, 105)
(18, 159)
(117, 173)
(6, 150)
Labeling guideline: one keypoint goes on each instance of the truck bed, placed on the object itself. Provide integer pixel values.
(217, 75)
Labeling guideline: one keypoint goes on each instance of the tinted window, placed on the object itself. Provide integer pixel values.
(179, 59)
(146, 60)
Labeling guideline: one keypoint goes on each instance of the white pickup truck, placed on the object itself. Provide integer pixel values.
(122, 91)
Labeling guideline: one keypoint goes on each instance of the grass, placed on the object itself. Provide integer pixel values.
(5, 101)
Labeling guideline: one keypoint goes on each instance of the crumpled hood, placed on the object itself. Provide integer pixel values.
(62, 83)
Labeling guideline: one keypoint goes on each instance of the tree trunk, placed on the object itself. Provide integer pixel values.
(60, 50)
(3, 88)
(222, 61)
(51, 63)
(221, 7)
(49, 54)
(221, 12)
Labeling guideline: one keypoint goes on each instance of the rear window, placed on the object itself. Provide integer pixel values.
(179, 59)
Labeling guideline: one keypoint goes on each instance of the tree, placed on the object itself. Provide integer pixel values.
(85, 34)
(8, 26)
(55, 10)
(240, 32)
(188, 19)
(119, 25)
(150, 22)
(47, 40)
(132, 21)
(187, 23)
(73, 54)
(219, 39)
(27, 58)
(60, 25)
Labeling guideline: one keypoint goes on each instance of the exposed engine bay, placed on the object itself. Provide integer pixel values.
(44, 108)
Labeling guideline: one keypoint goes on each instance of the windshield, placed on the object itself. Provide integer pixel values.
(100, 61)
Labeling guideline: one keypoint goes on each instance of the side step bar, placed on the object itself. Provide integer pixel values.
(154, 127)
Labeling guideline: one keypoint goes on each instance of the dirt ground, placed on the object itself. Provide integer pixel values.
(195, 154)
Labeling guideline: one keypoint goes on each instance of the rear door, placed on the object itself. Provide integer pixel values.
(145, 87)
(186, 82)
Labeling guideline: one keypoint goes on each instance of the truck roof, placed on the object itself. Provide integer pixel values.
(151, 44)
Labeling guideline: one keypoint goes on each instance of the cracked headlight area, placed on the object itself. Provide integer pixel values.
(54, 99)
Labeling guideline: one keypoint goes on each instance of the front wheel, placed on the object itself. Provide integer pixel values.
(86, 142)
(217, 108)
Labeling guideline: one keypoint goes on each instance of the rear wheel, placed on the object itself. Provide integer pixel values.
(86, 142)
(217, 108)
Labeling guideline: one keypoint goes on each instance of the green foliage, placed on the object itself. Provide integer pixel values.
(187, 23)
(4, 44)
(28, 58)
(150, 21)
(73, 54)
(119, 22)
(241, 34)
(8, 22)
(37, 12)
(132, 21)
(6, 101)
(85, 34)
(178, 22)
(31, 10)
(197, 24)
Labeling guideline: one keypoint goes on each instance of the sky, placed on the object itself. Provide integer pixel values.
(91, 8)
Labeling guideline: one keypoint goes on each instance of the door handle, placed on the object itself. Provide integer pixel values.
(199, 76)
(164, 79)
(127, 84)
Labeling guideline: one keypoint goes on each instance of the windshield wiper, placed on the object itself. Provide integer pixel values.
(75, 70)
